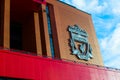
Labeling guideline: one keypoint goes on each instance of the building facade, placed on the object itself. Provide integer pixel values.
(49, 40)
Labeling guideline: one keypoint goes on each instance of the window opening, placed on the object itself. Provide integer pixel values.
(50, 32)
(22, 31)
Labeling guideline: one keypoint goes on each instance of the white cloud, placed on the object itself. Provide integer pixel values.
(110, 47)
(91, 6)
(112, 41)
(115, 5)
(95, 7)
(87, 5)
(113, 62)
(79, 3)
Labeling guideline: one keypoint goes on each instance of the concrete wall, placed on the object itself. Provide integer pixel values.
(66, 15)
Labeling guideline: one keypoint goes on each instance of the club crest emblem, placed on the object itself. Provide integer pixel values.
(79, 43)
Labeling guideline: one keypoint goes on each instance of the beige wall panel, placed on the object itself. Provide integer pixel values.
(6, 33)
(46, 31)
(37, 33)
(66, 15)
(97, 48)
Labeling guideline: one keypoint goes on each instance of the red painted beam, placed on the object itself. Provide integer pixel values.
(18, 65)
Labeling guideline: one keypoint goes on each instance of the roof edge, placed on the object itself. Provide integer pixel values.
(74, 7)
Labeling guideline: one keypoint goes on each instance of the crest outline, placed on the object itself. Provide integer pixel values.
(77, 34)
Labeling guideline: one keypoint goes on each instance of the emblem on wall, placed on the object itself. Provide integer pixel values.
(79, 43)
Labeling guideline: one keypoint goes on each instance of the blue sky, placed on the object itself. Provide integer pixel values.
(106, 19)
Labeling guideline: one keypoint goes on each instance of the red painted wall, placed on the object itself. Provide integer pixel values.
(40, 1)
(17, 65)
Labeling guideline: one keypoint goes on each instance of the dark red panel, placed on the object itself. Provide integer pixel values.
(40, 1)
(18, 65)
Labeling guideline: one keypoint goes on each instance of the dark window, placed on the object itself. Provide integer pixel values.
(22, 33)
(3, 78)
(16, 36)
(50, 32)
(1, 21)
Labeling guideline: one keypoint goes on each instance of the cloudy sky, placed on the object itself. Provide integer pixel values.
(106, 19)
